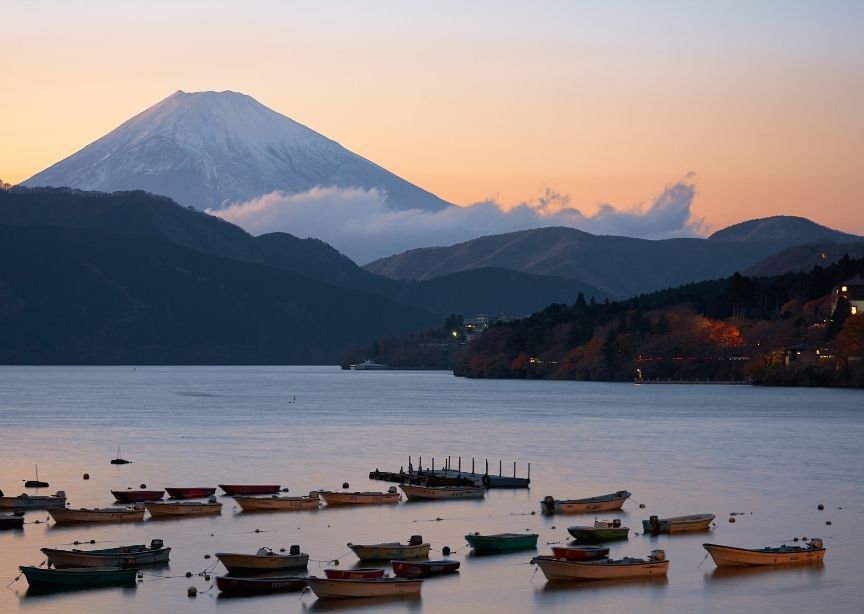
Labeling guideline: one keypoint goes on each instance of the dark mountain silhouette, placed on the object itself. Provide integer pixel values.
(804, 258)
(790, 229)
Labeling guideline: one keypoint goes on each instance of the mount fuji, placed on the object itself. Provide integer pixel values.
(209, 149)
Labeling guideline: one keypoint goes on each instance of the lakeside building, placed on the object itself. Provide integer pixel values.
(853, 291)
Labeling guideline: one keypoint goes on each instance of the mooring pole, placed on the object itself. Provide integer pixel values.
(514, 469)
(459, 472)
(499, 466)
(433, 465)
(529, 472)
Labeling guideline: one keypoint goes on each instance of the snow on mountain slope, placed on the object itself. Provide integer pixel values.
(207, 149)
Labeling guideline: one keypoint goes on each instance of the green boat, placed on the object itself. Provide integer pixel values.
(502, 542)
(79, 577)
(602, 531)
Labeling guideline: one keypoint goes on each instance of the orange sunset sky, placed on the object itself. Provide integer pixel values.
(604, 101)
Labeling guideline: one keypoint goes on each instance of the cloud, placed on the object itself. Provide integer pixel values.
(358, 222)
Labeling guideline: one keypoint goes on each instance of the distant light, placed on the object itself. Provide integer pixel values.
(454, 333)
(854, 310)
(844, 289)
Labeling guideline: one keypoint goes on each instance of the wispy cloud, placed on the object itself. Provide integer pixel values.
(357, 222)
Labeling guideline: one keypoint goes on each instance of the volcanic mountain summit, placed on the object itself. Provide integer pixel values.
(208, 149)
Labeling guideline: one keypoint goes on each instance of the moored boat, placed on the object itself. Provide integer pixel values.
(502, 542)
(601, 503)
(234, 585)
(190, 493)
(263, 560)
(580, 553)
(123, 556)
(79, 577)
(325, 588)
(424, 569)
(601, 531)
(419, 493)
(250, 489)
(361, 498)
(137, 496)
(33, 502)
(416, 548)
(162, 509)
(11, 521)
(730, 556)
(603, 569)
(678, 524)
(275, 503)
(98, 514)
(354, 574)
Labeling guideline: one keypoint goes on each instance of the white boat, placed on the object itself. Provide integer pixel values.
(183, 508)
(603, 569)
(33, 502)
(263, 560)
(415, 493)
(276, 503)
(124, 556)
(325, 588)
(98, 514)
(416, 548)
(678, 524)
(601, 503)
(368, 365)
(360, 498)
(730, 556)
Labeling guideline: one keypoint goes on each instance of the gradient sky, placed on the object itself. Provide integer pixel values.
(604, 101)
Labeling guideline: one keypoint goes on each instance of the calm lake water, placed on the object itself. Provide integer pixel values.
(772, 454)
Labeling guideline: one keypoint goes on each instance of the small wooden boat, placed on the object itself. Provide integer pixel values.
(37, 483)
(601, 531)
(420, 493)
(424, 569)
(33, 502)
(360, 498)
(162, 509)
(11, 521)
(124, 556)
(79, 577)
(190, 493)
(263, 560)
(137, 496)
(729, 556)
(502, 542)
(416, 548)
(250, 489)
(580, 553)
(678, 524)
(603, 569)
(234, 585)
(603, 503)
(275, 503)
(326, 588)
(98, 514)
(363, 573)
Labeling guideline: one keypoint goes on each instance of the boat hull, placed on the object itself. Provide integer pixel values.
(424, 569)
(8, 521)
(504, 542)
(250, 489)
(137, 496)
(251, 563)
(36, 502)
(555, 569)
(728, 556)
(603, 503)
(579, 553)
(174, 510)
(277, 504)
(93, 577)
(437, 493)
(326, 588)
(360, 498)
(388, 552)
(354, 574)
(593, 535)
(190, 493)
(105, 515)
(679, 524)
(259, 586)
(112, 557)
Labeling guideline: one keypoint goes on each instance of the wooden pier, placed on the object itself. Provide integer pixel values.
(453, 475)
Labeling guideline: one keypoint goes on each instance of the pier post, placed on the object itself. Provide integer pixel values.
(514, 469)
(499, 467)
(459, 472)
(472, 464)
(433, 465)
(529, 471)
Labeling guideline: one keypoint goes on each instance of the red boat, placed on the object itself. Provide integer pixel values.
(250, 489)
(580, 553)
(137, 496)
(189, 493)
(424, 569)
(231, 585)
(364, 573)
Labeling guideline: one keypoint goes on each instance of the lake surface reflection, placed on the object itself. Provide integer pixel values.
(771, 455)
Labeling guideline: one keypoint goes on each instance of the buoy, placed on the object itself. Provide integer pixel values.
(143, 486)
(206, 556)
(76, 542)
(828, 522)
(438, 519)
(334, 562)
(191, 591)
(206, 577)
(533, 512)
(92, 541)
(86, 476)
(345, 485)
(553, 526)
(188, 574)
(281, 549)
(257, 530)
(794, 539)
(445, 550)
(731, 518)
(284, 490)
(820, 507)
(642, 506)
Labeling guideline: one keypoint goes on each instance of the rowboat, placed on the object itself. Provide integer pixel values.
(81, 577)
(424, 569)
(233, 585)
(678, 524)
(98, 514)
(602, 531)
(602, 503)
(416, 548)
(11, 521)
(124, 556)
(502, 542)
(580, 553)
(250, 489)
(415, 493)
(360, 498)
(33, 502)
(326, 588)
(363, 573)
(183, 508)
(263, 560)
(275, 503)
(137, 496)
(729, 556)
(603, 569)
(190, 493)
